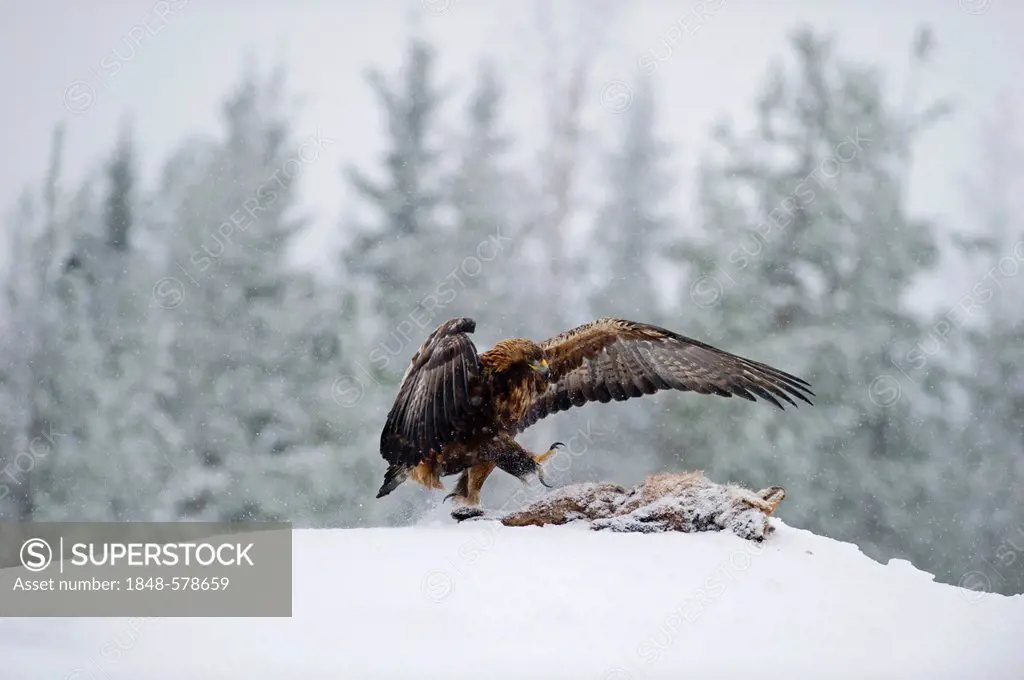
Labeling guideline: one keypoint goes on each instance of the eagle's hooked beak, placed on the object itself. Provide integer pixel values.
(541, 367)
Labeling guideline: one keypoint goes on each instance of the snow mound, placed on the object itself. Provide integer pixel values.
(483, 600)
(688, 502)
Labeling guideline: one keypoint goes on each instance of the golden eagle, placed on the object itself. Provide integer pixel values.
(458, 411)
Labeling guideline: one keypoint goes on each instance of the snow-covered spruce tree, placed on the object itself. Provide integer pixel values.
(28, 390)
(628, 235)
(19, 397)
(388, 252)
(804, 260)
(475, 252)
(392, 271)
(549, 247)
(45, 343)
(484, 194)
(259, 427)
(122, 470)
(125, 459)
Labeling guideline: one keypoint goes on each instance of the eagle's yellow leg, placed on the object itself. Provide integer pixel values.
(541, 457)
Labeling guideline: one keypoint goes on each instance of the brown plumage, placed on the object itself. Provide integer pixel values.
(458, 411)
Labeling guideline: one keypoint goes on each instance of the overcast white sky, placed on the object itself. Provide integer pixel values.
(173, 82)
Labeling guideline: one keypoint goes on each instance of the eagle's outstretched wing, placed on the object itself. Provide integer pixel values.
(615, 359)
(435, 395)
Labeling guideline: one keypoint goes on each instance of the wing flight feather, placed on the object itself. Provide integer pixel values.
(434, 399)
(616, 359)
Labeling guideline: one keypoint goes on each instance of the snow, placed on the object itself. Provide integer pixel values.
(482, 600)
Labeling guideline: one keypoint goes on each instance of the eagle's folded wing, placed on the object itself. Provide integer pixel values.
(615, 359)
(435, 395)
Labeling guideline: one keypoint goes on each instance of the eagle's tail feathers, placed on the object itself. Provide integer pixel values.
(396, 474)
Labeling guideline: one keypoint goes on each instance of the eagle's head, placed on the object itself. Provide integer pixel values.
(521, 353)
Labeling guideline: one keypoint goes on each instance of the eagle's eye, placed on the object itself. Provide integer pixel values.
(541, 367)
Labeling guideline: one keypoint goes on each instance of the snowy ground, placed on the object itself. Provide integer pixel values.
(483, 601)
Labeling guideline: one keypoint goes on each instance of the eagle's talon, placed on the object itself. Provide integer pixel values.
(540, 478)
